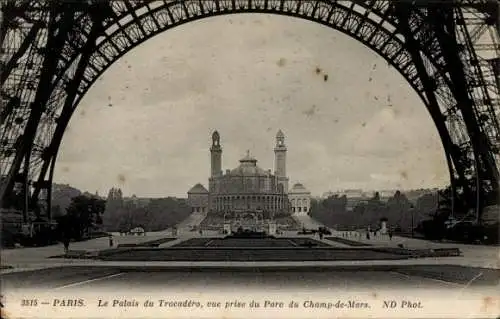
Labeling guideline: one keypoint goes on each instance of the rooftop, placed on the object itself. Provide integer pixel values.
(299, 188)
(248, 167)
(198, 189)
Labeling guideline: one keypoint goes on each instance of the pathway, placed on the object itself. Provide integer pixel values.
(37, 257)
(479, 255)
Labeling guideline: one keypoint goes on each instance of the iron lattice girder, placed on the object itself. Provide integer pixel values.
(126, 24)
(58, 19)
(442, 22)
(413, 40)
(38, 109)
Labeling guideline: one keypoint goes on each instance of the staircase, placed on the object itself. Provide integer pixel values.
(307, 221)
(194, 219)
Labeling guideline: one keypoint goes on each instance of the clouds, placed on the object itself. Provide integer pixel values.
(151, 114)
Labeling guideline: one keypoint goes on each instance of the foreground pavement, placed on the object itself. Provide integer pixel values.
(348, 276)
(189, 292)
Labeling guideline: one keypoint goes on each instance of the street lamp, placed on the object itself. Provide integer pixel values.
(412, 221)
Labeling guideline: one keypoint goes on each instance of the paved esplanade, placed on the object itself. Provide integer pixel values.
(38, 257)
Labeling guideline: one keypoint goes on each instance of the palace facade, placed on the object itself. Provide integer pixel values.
(300, 199)
(246, 187)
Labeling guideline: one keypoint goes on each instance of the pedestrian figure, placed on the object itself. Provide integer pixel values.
(110, 241)
(66, 244)
(367, 235)
(390, 235)
(321, 236)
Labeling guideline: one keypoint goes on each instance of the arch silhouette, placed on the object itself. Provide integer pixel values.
(371, 22)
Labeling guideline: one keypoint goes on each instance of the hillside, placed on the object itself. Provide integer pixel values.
(61, 197)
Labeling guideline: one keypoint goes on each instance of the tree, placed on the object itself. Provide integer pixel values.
(331, 211)
(62, 195)
(123, 214)
(56, 211)
(83, 214)
(14, 199)
(114, 210)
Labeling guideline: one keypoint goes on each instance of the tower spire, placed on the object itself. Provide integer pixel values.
(216, 155)
(280, 160)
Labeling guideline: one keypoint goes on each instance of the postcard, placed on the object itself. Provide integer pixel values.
(250, 159)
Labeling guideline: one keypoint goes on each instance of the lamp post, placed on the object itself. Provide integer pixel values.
(412, 221)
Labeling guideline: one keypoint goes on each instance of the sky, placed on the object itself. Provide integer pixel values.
(350, 120)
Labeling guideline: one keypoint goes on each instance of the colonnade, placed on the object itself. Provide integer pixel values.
(264, 202)
(300, 205)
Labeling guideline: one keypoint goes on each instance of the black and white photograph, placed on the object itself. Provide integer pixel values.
(250, 158)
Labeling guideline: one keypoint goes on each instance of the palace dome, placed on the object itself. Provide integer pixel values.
(298, 188)
(248, 167)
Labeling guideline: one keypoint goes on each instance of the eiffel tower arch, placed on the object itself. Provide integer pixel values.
(52, 52)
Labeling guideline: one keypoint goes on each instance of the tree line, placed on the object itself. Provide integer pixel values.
(399, 212)
(123, 214)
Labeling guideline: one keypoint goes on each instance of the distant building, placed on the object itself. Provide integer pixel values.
(198, 198)
(327, 194)
(352, 193)
(136, 201)
(246, 187)
(300, 199)
(386, 193)
(353, 196)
